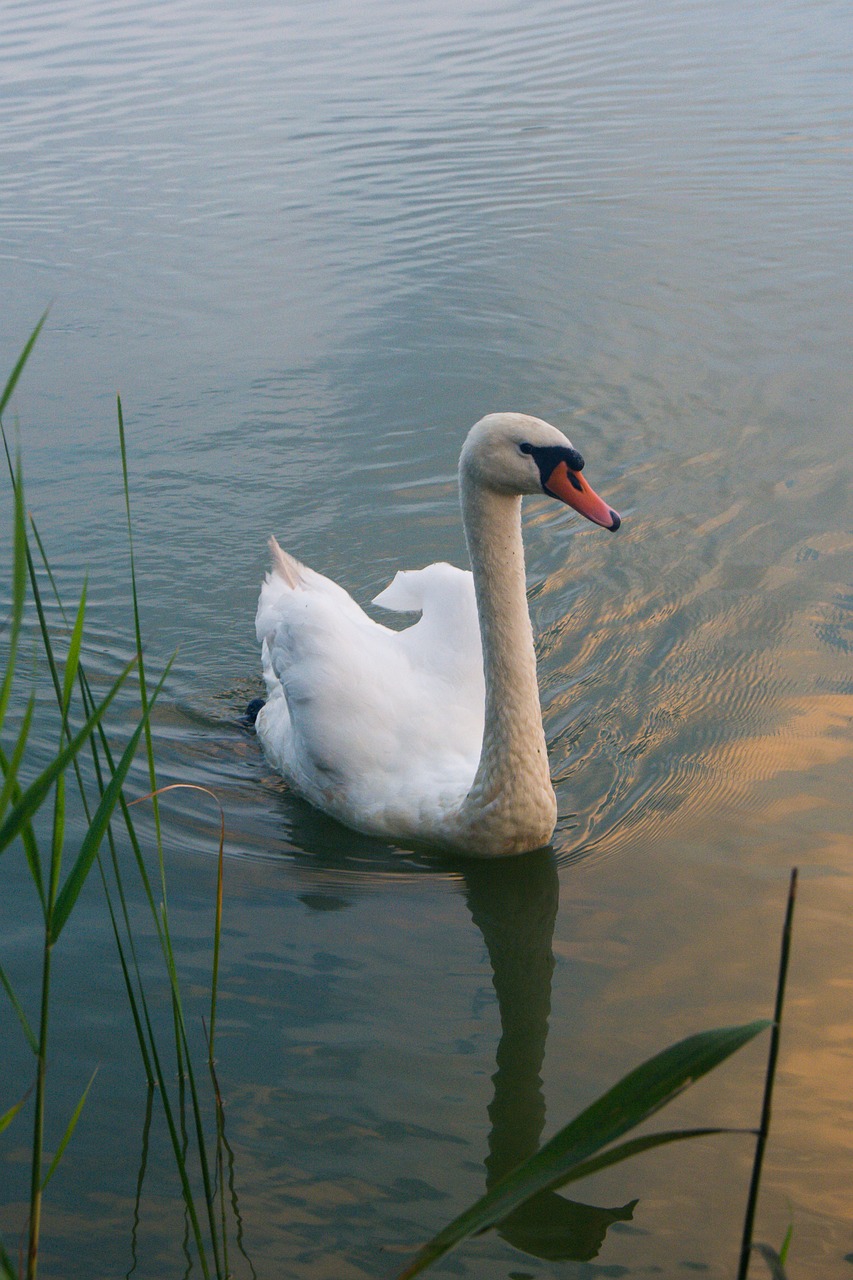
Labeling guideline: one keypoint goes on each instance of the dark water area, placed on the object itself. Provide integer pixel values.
(310, 246)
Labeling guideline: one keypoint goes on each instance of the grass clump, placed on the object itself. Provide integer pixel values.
(34, 820)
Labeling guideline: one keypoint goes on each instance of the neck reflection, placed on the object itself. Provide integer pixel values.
(513, 902)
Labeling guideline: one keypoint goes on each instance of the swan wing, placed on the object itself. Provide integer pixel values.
(377, 726)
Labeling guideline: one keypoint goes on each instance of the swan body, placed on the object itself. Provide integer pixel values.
(433, 733)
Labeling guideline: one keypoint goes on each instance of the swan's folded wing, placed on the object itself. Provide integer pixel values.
(371, 712)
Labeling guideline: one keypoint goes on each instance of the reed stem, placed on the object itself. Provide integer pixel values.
(764, 1127)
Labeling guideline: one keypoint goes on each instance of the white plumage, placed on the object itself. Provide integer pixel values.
(395, 732)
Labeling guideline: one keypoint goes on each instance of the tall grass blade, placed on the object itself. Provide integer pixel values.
(775, 1265)
(33, 797)
(19, 589)
(29, 840)
(181, 1040)
(8, 1116)
(125, 968)
(176, 1140)
(47, 568)
(143, 688)
(217, 924)
(19, 1010)
(181, 1032)
(634, 1099)
(12, 380)
(72, 661)
(11, 766)
(7, 1269)
(635, 1147)
(69, 1129)
(70, 891)
(88, 706)
(766, 1106)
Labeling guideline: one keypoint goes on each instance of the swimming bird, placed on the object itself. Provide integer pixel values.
(433, 733)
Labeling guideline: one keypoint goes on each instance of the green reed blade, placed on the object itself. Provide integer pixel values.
(8, 1116)
(181, 1033)
(32, 798)
(11, 381)
(775, 1265)
(125, 967)
(69, 679)
(177, 1148)
(769, 1079)
(69, 1130)
(72, 661)
(7, 1270)
(631, 1101)
(143, 690)
(22, 1017)
(70, 891)
(88, 706)
(47, 569)
(11, 766)
(635, 1147)
(181, 1042)
(19, 589)
(28, 839)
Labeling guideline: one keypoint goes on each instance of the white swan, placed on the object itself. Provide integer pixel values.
(433, 733)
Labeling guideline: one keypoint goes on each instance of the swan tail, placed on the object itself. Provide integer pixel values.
(286, 566)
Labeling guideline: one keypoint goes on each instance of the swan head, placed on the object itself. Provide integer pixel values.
(512, 453)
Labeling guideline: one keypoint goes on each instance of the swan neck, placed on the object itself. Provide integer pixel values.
(512, 784)
(493, 530)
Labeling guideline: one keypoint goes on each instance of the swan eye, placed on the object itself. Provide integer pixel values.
(525, 448)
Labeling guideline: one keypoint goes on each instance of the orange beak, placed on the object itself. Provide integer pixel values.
(570, 487)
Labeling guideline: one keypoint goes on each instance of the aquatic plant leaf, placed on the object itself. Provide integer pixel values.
(32, 798)
(76, 878)
(773, 1260)
(8, 1116)
(27, 837)
(69, 1130)
(22, 1017)
(12, 765)
(636, 1147)
(11, 381)
(19, 589)
(72, 662)
(7, 1270)
(631, 1101)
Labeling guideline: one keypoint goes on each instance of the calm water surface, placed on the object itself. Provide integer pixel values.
(310, 245)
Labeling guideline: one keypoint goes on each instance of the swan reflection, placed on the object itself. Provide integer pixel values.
(514, 905)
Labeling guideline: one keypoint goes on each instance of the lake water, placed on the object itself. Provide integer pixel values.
(310, 245)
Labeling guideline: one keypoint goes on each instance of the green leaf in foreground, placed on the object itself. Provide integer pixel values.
(32, 798)
(10, 767)
(11, 381)
(19, 589)
(70, 890)
(773, 1259)
(8, 1116)
(568, 1155)
(22, 1017)
(7, 1270)
(69, 1129)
